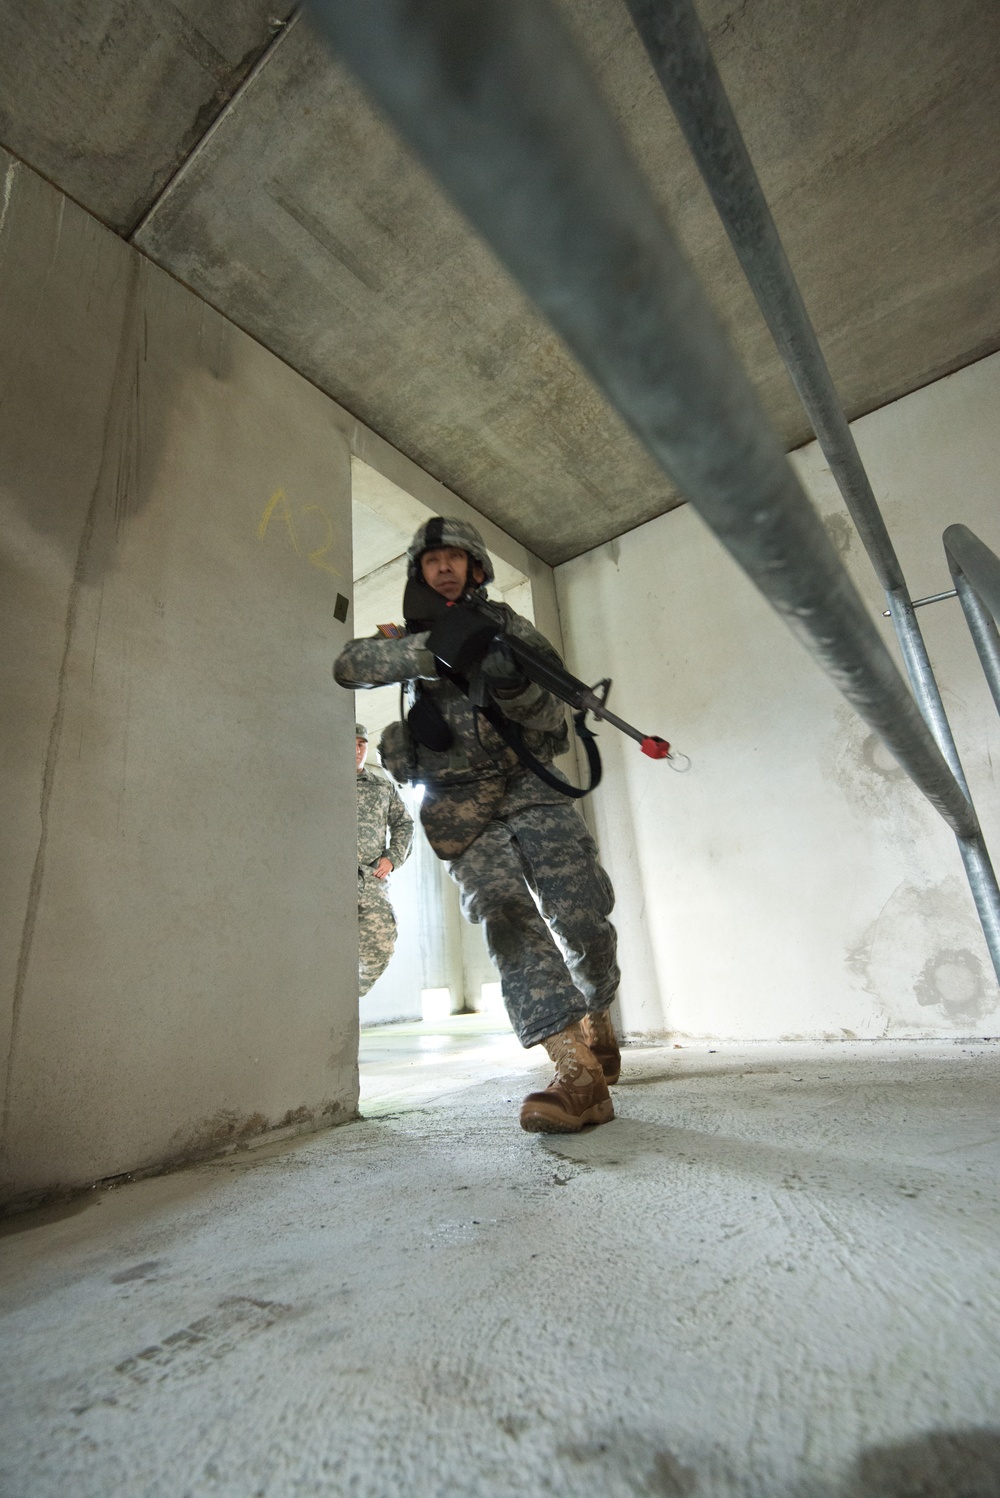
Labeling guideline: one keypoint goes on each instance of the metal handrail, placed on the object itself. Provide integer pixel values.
(976, 571)
(682, 59)
(496, 101)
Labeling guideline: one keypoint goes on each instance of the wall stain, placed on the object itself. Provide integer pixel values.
(221, 1128)
(228, 1129)
(222, 1134)
(870, 779)
(841, 531)
(954, 980)
(879, 759)
(920, 929)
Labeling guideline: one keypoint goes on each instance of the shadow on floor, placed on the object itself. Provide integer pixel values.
(40, 1217)
(939, 1464)
(647, 1147)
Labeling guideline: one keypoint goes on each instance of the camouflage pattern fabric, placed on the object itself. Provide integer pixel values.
(376, 930)
(453, 816)
(458, 802)
(445, 530)
(381, 815)
(381, 812)
(508, 838)
(552, 970)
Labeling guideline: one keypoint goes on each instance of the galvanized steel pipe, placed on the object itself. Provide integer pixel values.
(976, 570)
(681, 56)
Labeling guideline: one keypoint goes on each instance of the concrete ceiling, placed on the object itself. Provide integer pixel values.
(241, 158)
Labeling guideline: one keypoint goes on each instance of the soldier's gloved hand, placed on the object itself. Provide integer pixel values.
(502, 671)
(461, 638)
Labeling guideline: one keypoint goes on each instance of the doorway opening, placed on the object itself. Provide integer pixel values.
(435, 1018)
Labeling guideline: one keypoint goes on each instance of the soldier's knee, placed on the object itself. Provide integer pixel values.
(498, 903)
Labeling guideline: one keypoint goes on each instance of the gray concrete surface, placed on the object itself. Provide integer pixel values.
(178, 916)
(303, 220)
(773, 1275)
(106, 98)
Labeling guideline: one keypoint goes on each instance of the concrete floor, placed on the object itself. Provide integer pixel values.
(775, 1274)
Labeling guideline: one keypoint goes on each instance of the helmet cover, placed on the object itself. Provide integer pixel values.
(445, 530)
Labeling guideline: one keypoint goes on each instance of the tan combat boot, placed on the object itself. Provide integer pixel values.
(599, 1033)
(577, 1094)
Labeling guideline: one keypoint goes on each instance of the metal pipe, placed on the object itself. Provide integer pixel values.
(921, 674)
(919, 603)
(976, 571)
(680, 54)
(679, 51)
(494, 98)
(972, 847)
(981, 566)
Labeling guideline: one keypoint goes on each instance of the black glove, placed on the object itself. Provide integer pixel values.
(503, 672)
(461, 638)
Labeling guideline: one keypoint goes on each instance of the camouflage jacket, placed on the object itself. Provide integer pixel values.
(380, 811)
(466, 783)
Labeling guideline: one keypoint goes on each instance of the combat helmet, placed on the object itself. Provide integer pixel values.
(445, 530)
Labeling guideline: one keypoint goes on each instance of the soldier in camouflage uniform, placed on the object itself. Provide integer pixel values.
(381, 813)
(514, 845)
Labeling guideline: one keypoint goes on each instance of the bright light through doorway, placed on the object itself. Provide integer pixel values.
(435, 1005)
(491, 999)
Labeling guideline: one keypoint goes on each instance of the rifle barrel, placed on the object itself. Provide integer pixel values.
(594, 706)
(562, 684)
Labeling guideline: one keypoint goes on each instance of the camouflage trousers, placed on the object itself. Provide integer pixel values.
(533, 879)
(376, 930)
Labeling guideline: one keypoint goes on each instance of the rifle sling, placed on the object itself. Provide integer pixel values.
(513, 737)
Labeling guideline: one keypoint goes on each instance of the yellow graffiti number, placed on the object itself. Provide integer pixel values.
(319, 557)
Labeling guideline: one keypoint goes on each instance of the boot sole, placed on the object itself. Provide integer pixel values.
(542, 1120)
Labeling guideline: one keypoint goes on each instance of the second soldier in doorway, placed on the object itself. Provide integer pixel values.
(382, 820)
(518, 850)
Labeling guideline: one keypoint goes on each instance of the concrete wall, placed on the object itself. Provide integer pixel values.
(178, 942)
(794, 882)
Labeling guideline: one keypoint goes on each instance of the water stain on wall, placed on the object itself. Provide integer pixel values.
(923, 930)
(879, 759)
(954, 979)
(227, 1129)
(870, 778)
(841, 531)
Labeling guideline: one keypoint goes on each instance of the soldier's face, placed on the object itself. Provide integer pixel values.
(447, 570)
(360, 752)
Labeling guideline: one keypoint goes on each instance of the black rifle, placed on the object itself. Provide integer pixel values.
(463, 632)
